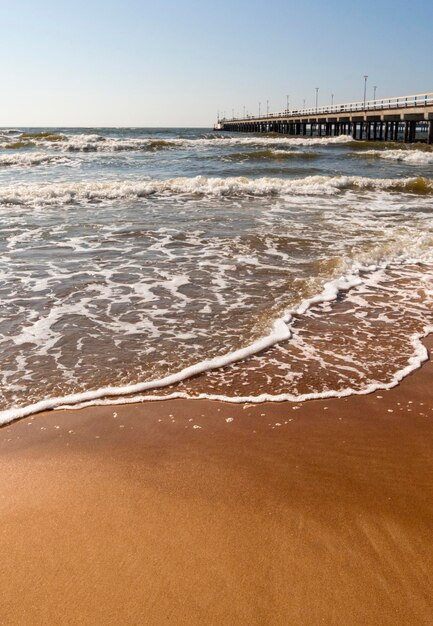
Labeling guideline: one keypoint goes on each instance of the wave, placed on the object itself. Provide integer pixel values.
(85, 142)
(277, 155)
(279, 331)
(17, 145)
(99, 143)
(420, 355)
(45, 135)
(30, 158)
(69, 193)
(281, 139)
(413, 157)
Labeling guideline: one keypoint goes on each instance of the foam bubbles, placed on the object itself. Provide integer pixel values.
(92, 142)
(30, 158)
(58, 194)
(411, 157)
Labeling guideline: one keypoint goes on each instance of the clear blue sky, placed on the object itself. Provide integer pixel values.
(175, 63)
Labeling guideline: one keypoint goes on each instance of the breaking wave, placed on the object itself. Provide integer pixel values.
(413, 157)
(68, 193)
(96, 143)
(85, 142)
(273, 140)
(99, 143)
(30, 158)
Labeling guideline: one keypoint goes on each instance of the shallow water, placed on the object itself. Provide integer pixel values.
(129, 256)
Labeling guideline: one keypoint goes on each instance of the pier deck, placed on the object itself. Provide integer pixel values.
(405, 118)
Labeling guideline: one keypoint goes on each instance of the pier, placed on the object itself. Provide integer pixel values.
(405, 118)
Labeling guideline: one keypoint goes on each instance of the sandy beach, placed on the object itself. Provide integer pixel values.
(196, 512)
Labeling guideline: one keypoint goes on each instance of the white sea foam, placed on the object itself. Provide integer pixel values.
(99, 143)
(28, 159)
(279, 332)
(277, 140)
(66, 193)
(419, 356)
(412, 157)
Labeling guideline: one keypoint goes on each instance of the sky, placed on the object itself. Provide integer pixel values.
(171, 63)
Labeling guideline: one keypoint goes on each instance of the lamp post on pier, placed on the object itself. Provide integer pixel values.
(365, 89)
(374, 92)
(332, 99)
(317, 97)
(287, 104)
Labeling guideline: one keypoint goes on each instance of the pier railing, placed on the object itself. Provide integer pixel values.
(401, 102)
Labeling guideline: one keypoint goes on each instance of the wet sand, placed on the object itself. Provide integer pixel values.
(171, 513)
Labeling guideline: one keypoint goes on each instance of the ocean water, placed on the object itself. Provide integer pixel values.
(146, 263)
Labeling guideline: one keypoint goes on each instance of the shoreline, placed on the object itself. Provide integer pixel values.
(197, 511)
(281, 330)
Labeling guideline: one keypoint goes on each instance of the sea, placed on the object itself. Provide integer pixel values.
(142, 264)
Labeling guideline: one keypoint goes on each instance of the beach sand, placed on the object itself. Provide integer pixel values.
(303, 514)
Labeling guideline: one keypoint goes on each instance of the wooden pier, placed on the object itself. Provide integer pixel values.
(406, 118)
